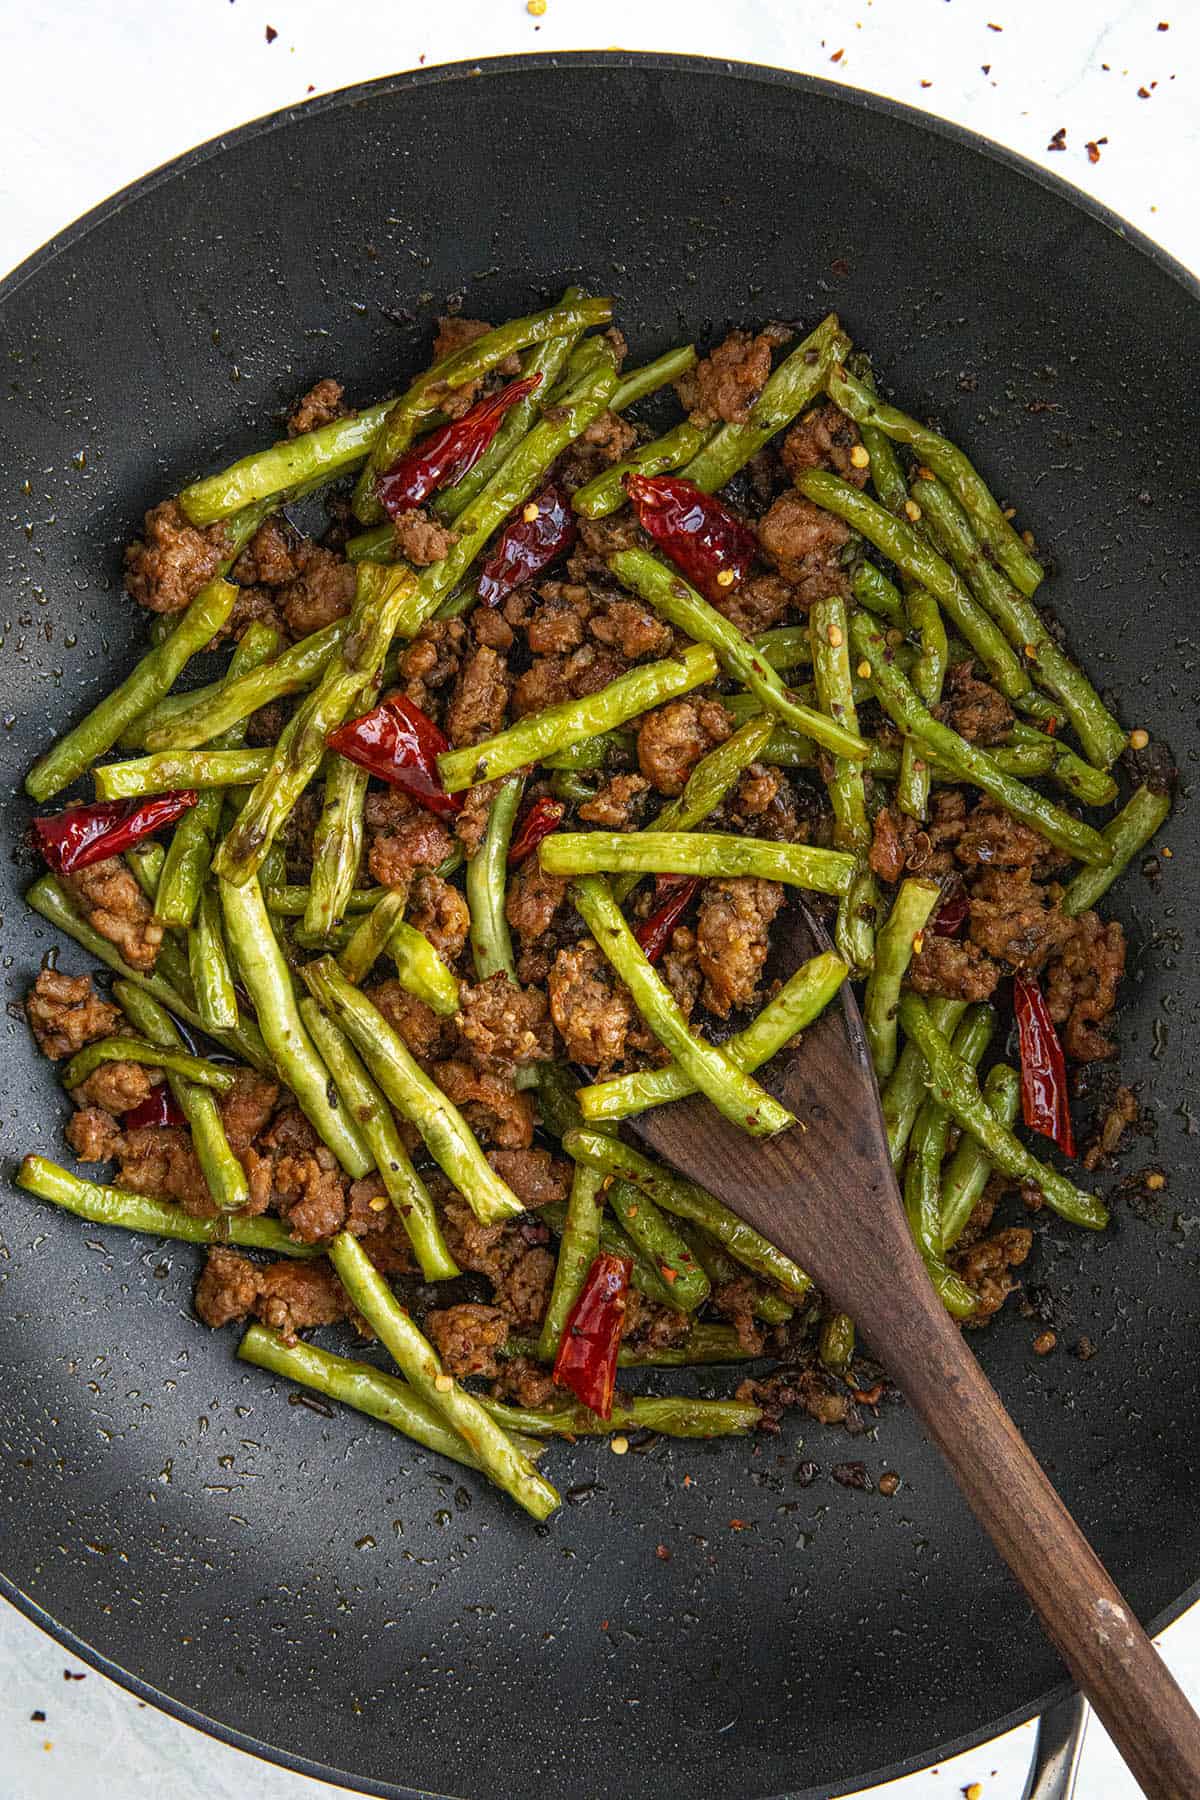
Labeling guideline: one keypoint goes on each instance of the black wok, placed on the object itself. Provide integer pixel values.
(312, 1587)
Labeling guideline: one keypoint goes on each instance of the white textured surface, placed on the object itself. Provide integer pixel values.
(95, 96)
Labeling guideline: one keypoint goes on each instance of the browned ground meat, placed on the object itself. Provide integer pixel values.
(1081, 986)
(166, 568)
(272, 558)
(288, 1296)
(681, 971)
(108, 896)
(758, 603)
(492, 1106)
(735, 1300)
(764, 804)
(525, 1383)
(973, 708)
(228, 1287)
(804, 544)
(900, 843)
(985, 1266)
(309, 1191)
(421, 539)
(1016, 921)
(824, 439)
(321, 592)
(93, 1135)
(619, 804)
(559, 619)
(957, 969)
(523, 1290)
(628, 626)
(439, 912)
(454, 334)
(817, 1393)
(403, 837)
(480, 699)
(320, 406)
(651, 1326)
(552, 679)
(992, 838)
(672, 739)
(598, 540)
(472, 821)
(520, 1271)
(1119, 1115)
(592, 1010)
(732, 938)
(159, 1159)
(727, 382)
(504, 1025)
(534, 901)
(604, 442)
(467, 1338)
(534, 1176)
(428, 1035)
(431, 661)
(115, 1087)
(65, 1012)
(247, 1107)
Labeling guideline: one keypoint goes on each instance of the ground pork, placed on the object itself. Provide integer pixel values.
(985, 1267)
(552, 679)
(534, 1176)
(901, 844)
(94, 1135)
(520, 1270)
(440, 913)
(598, 540)
(956, 969)
(492, 1106)
(604, 442)
(524, 1382)
(402, 837)
(672, 739)
(732, 938)
(592, 1010)
(455, 334)
(757, 604)
(650, 1326)
(159, 1159)
(309, 1192)
(727, 382)
(421, 539)
(108, 896)
(631, 628)
(992, 838)
(1122, 1112)
(115, 1087)
(429, 1035)
(681, 971)
(480, 698)
(169, 564)
(505, 1026)
(619, 804)
(1015, 921)
(534, 901)
(65, 1012)
(824, 439)
(273, 557)
(736, 1300)
(1081, 985)
(805, 544)
(764, 803)
(467, 1338)
(816, 1393)
(973, 708)
(247, 1107)
(320, 406)
(472, 822)
(322, 591)
(287, 1295)
(431, 661)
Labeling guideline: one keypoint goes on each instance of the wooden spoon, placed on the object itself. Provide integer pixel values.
(827, 1195)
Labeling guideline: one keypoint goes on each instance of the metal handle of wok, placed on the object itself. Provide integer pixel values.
(1060, 1741)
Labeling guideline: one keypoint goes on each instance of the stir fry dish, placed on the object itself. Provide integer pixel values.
(469, 845)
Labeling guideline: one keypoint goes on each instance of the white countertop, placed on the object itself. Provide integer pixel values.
(95, 96)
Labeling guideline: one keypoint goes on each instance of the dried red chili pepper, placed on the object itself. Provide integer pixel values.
(587, 1356)
(951, 915)
(82, 835)
(538, 532)
(704, 540)
(400, 744)
(1044, 1104)
(449, 453)
(543, 817)
(654, 933)
(160, 1107)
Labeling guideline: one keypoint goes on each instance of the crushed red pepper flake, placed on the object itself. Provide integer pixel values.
(272, 34)
(1059, 140)
(662, 1553)
(837, 56)
(739, 1525)
(1093, 148)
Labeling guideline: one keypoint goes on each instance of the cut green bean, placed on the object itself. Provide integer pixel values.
(792, 387)
(208, 965)
(337, 845)
(928, 674)
(880, 596)
(1124, 836)
(578, 1247)
(895, 945)
(371, 1112)
(85, 1062)
(966, 1174)
(1092, 786)
(168, 770)
(487, 882)
(671, 1415)
(314, 457)
(708, 854)
(617, 1242)
(836, 1346)
(146, 860)
(371, 936)
(654, 375)
(661, 1244)
(829, 643)
(421, 970)
(185, 721)
(956, 1086)
(887, 473)
(569, 721)
(721, 1268)
(734, 1093)
(605, 492)
(151, 1216)
(703, 1344)
(292, 902)
(268, 982)
(905, 1092)
(923, 1170)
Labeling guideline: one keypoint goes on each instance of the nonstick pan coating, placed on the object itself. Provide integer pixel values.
(313, 1586)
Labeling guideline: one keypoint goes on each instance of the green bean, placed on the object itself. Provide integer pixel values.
(734, 1093)
(376, 544)
(966, 761)
(158, 671)
(372, 934)
(337, 845)
(1001, 543)
(589, 753)
(786, 749)
(146, 860)
(605, 492)
(785, 647)
(966, 1174)
(351, 679)
(208, 965)
(578, 1247)
(223, 1174)
(159, 1218)
(617, 1242)
(710, 854)
(1124, 836)
(829, 640)
(721, 1268)
(569, 721)
(678, 602)
(671, 1415)
(836, 1347)
(85, 1062)
(413, 410)
(498, 1457)
(654, 375)
(872, 589)
(661, 1244)
(487, 880)
(887, 473)
(688, 1201)
(1101, 736)
(449, 1139)
(792, 387)
(928, 674)
(313, 458)
(292, 902)
(703, 1344)
(908, 1085)
(421, 970)
(365, 1388)
(923, 1171)
(167, 770)
(184, 721)
(895, 944)
(268, 982)
(1094, 787)
(957, 1087)
(371, 1112)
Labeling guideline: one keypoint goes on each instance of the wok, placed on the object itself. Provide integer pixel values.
(311, 1587)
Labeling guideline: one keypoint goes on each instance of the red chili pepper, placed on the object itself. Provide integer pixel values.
(449, 453)
(1044, 1105)
(541, 530)
(654, 933)
(587, 1356)
(702, 538)
(543, 817)
(400, 744)
(951, 915)
(88, 834)
(160, 1107)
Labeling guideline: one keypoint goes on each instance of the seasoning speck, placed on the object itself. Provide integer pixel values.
(1138, 739)
(662, 1553)
(725, 578)
(912, 510)
(889, 1483)
(1059, 140)
(38, 1717)
(379, 1203)
(973, 1791)
(272, 34)
(860, 457)
(536, 7)
(529, 513)
(834, 634)
(619, 1445)
(1044, 1343)
(864, 670)
(443, 1383)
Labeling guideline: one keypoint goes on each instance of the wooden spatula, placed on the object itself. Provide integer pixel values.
(827, 1195)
